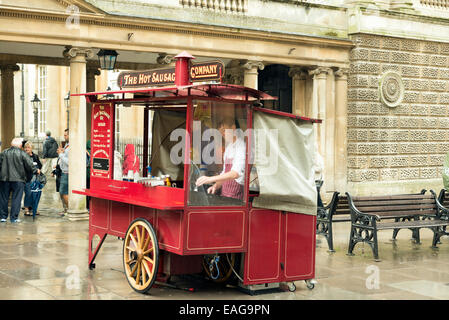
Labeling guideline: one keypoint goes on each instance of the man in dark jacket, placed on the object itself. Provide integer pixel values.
(50, 155)
(16, 168)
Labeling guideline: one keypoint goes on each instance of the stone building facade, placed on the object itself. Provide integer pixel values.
(376, 72)
(398, 108)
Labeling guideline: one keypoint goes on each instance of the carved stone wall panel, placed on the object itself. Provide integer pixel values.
(407, 141)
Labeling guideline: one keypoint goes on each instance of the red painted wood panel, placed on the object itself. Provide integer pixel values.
(99, 213)
(216, 229)
(120, 217)
(143, 212)
(169, 230)
(262, 261)
(299, 242)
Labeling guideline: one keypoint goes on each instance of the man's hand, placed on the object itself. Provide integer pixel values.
(204, 180)
(213, 189)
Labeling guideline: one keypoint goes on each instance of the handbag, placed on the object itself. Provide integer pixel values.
(41, 178)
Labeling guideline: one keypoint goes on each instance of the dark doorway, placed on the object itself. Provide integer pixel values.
(274, 80)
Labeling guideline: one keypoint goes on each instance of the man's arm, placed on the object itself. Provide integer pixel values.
(64, 157)
(45, 150)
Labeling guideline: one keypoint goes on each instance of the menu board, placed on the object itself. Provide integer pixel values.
(102, 139)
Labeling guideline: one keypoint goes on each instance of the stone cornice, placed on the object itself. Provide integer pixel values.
(80, 4)
(172, 27)
(410, 16)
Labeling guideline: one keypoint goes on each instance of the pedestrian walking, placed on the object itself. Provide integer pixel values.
(16, 168)
(63, 160)
(28, 198)
(50, 155)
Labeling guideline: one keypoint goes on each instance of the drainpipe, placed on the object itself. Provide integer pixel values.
(22, 97)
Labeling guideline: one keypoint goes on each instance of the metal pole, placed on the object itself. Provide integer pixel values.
(35, 122)
(22, 97)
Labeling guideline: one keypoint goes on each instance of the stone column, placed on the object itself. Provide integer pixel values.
(77, 132)
(341, 115)
(90, 87)
(319, 103)
(7, 122)
(250, 74)
(299, 76)
(329, 127)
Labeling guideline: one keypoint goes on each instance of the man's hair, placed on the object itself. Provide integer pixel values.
(48, 133)
(229, 122)
(66, 130)
(17, 142)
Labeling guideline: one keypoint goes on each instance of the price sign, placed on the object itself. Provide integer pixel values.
(102, 139)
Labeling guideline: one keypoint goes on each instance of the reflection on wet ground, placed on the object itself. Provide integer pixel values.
(47, 260)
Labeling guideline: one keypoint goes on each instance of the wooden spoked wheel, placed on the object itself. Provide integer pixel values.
(140, 255)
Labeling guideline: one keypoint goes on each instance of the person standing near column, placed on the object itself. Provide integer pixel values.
(16, 167)
(27, 200)
(63, 153)
(50, 155)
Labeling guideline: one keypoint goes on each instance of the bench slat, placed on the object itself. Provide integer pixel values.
(394, 197)
(395, 202)
(411, 224)
(342, 218)
(401, 214)
(397, 208)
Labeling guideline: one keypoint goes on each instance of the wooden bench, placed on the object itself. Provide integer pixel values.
(412, 211)
(443, 198)
(337, 210)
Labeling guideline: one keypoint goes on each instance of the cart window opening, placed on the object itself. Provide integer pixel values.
(138, 158)
(129, 146)
(167, 158)
(218, 157)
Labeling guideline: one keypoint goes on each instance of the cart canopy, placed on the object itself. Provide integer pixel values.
(224, 91)
(284, 150)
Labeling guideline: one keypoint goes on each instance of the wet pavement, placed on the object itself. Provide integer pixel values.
(46, 259)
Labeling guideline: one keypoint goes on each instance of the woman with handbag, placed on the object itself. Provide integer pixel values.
(27, 201)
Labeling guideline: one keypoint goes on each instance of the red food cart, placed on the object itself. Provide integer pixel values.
(171, 225)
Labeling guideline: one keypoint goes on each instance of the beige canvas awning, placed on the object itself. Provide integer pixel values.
(283, 156)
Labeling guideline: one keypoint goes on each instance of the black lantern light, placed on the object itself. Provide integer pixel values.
(36, 106)
(36, 102)
(107, 59)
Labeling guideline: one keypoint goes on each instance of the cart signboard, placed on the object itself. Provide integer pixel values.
(102, 136)
(199, 72)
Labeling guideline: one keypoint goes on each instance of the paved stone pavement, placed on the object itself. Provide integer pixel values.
(47, 260)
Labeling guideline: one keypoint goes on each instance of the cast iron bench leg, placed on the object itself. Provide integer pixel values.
(330, 237)
(437, 233)
(415, 235)
(395, 231)
(352, 242)
(375, 246)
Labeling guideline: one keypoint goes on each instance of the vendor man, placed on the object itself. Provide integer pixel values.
(232, 178)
